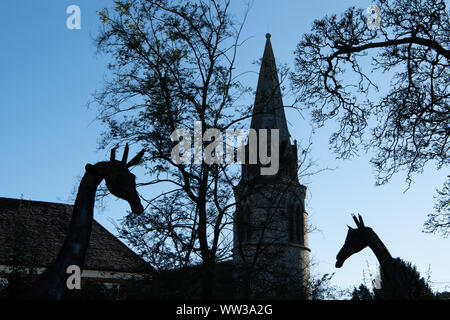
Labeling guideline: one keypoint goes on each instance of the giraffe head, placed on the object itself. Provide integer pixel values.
(356, 240)
(119, 180)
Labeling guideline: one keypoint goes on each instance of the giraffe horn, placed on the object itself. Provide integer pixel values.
(125, 154)
(356, 220)
(113, 154)
(361, 220)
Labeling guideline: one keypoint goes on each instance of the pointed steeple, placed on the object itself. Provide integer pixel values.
(270, 243)
(268, 112)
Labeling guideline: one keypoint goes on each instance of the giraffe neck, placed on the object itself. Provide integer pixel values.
(387, 264)
(381, 252)
(52, 283)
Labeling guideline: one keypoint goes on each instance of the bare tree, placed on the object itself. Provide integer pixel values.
(172, 64)
(439, 221)
(407, 127)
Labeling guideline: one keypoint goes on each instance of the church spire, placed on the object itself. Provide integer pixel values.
(268, 112)
(270, 240)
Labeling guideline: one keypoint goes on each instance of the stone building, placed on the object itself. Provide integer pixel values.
(270, 243)
(270, 249)
(32, 233)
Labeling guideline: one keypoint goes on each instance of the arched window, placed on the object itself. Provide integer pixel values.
(240, 223)
(244, 224)
(296, 223)
(292, 222)
(248, 223)
(300, 225)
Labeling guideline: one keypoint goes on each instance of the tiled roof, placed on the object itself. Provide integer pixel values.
(32, 233)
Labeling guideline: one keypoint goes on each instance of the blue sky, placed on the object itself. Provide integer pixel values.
(49, 73)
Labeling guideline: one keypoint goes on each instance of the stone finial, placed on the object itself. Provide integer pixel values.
(267, 36)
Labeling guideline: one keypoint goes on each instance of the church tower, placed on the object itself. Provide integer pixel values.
(270, 246)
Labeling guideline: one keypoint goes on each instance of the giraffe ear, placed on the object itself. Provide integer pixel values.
(91, 169)
(136, 159)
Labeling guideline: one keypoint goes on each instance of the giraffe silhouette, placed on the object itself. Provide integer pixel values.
(399, 279)
(120, 182)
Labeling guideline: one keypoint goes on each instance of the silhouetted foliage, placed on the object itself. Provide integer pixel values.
(362, 293)
(416, 286)
(322, 289)
(93, 291)
(443, 295)
(439, 221)
(408, 126)
(17, 283)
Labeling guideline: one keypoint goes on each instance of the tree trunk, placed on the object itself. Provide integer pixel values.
(208, 279)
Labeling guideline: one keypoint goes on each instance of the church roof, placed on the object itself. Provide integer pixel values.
(268, 111)
(32, 233)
